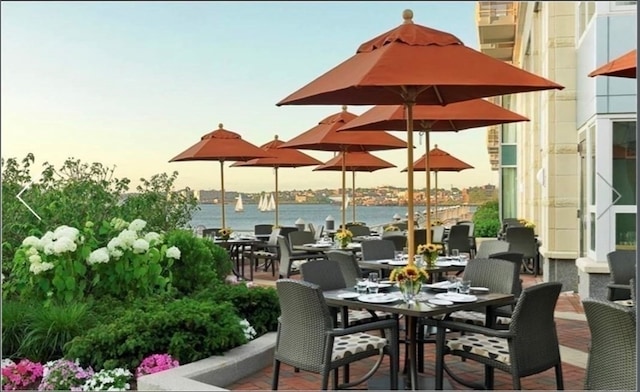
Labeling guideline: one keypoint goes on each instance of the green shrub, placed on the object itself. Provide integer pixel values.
(39, 332)
(201, 264)
(14, 327)
(187, 329)
(486, 220)
(259, 305)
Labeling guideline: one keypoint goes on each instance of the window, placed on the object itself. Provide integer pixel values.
(586, 10)
(624, 162)
(592, 169)
(625, 231)
(509, 190)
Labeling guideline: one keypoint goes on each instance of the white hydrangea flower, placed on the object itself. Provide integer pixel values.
(64, 244)
(31, 251)
(173, 253)
(152, 237)
(119, 223)
(37, 268)
(140, 246)
(249, 331)
(35, 259)
(127, 238)
(66, 232)
(116, 253)
(32, 241)
(100, 255)
(47, 237)
(137, 225)
(48, 248)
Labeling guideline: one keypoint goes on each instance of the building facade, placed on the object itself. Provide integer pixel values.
(571, 168)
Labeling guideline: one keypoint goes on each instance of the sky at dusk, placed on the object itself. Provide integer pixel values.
(133, 84)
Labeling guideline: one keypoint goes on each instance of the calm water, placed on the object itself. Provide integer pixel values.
(209, 215)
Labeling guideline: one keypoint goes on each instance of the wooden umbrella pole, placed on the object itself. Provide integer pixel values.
(428, 201)
(277, 198)
(344, 189)
(353, 194)
(224, 223)
(410, 217)
(435, 197)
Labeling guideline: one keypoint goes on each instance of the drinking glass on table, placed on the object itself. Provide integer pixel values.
(453, 284)
(397, 255)
(361, 285)
(464, 286)
(455, 252)
(373, 282)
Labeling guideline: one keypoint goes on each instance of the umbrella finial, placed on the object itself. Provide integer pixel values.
(220, 126)
(344, 108)
(407, 15)
(276, 137)
(436, 146)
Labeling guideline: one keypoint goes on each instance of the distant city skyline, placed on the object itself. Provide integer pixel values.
(133, 84)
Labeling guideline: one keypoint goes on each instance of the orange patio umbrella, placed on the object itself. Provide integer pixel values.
(410, 65)
(360, 161)
(439, 160)
(325, 137)
(280, 158)
(434, 118)
(221, 145)
(623, 66)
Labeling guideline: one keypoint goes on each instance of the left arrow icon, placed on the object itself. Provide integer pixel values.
(25, 204)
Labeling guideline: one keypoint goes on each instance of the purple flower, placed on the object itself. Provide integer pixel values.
(156, 363)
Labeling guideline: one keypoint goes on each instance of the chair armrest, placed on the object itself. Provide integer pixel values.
(618, 286)
(464, 327)
(381, 324)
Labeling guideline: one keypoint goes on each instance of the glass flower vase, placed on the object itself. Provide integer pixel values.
(344, 243)
(428, 261)
(410, 289)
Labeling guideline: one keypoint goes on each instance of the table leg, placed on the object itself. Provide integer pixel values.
(413, 371)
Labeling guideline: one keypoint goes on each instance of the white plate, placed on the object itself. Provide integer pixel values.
(458, 263)
(457, 297)
(443, 264)
(440, 285)
(348, 295)
(377, 298)
(385, 261)
(436, 301)
(480, 289)
(398, 262)
(387, 282)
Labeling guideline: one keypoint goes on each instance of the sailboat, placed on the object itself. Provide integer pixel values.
(262, 204)
(346, 202)
(271, 206)
(239, 205)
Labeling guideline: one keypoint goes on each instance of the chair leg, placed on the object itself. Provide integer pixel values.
(276, 374)
(516, 382)
(325, 380)
(488, 377)
(559, 379)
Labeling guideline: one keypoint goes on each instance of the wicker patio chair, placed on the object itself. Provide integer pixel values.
(530, 345)
(348, 265)
(378, 249)
(290, 264)
(399, 240)
(459, 239)
(611, 364)
(523, 240)
(622, 268)
(488, 247)
(307, 340)
(359, 230)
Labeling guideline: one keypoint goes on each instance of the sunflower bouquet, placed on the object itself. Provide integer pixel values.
(527, 223)
(225, 233)
(437, 223)
(429, 252)
(344, 237)
(391, 228)
(409, 279)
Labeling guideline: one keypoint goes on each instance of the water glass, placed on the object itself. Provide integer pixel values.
(373, 282)
(397, 255)
(455, 252)
(361, 286)
(464, 286)
(453, 284)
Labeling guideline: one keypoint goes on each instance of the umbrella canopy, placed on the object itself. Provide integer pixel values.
(280, 158)
(410, 65)
(325, 137)
(361, 161)
(221, 145)
(439, 160)
(429, 118)
(623, 66)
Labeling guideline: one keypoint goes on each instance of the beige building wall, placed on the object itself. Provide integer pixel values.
(547, 145)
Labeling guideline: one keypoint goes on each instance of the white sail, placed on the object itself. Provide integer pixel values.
(239, 205)
(346, 202)
(262, 204)
(272, 203)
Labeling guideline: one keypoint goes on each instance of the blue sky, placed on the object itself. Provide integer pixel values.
(133, 84)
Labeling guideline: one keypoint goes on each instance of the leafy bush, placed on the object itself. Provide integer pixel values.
(201, 264)
(78, 192)
(486, 220)
(187, 329)
(259, 305)
(14, 327)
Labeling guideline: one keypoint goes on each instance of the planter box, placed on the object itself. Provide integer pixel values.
(214, 373)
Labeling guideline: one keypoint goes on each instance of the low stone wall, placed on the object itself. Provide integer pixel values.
(214, 373)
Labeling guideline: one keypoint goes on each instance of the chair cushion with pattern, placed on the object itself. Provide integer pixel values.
(354, 343)
(485, 346)
(476, 318)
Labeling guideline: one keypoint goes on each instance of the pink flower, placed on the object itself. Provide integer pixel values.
(22, 375)
(156, 363)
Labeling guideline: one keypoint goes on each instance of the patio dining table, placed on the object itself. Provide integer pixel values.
(236, 247)
(413, 313)
(434, 272)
